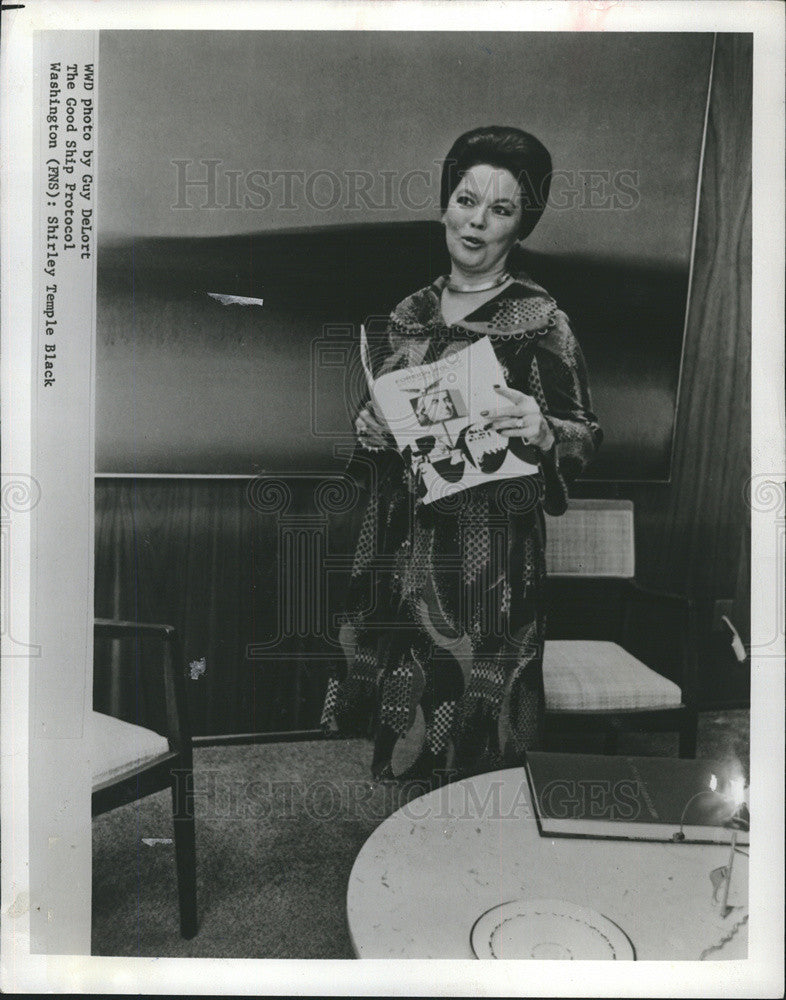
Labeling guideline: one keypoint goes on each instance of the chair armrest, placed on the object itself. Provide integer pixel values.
(662, 597)
(684, 628)
(178, 728)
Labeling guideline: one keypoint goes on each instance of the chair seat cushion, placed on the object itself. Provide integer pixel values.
(591, 676)
(120, 746)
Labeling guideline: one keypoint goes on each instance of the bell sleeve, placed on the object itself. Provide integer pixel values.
(560, 376)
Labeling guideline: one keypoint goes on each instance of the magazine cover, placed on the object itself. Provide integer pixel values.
(436, 414)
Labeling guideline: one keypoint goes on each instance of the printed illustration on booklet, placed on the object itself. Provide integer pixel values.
(434, 413)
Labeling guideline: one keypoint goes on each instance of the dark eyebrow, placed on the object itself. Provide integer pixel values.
(497, 201)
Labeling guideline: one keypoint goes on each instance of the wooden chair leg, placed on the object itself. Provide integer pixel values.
(689, 733)
(185, 852)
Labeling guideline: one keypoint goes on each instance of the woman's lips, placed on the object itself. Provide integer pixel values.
(472, 242)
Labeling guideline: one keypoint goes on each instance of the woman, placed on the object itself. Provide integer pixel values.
(445, 624)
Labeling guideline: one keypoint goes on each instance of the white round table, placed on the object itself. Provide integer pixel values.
(432, 868)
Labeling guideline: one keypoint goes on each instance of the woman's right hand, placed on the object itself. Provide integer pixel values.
(371, 429)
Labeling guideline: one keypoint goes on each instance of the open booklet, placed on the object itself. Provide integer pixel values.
(434, 414)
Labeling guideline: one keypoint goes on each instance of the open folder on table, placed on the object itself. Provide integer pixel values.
(635, 798)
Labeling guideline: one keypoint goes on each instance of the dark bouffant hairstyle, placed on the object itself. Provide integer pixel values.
(501, 146)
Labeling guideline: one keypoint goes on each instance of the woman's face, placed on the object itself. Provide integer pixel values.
(482, 219)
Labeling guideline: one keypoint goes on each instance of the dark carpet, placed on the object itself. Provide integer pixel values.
(278, 829)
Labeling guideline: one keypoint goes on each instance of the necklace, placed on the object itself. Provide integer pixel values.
(495, 283)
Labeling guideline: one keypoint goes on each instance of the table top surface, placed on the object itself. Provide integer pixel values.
(431, 869)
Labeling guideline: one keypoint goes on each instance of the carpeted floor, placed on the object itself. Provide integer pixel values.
(278, 829)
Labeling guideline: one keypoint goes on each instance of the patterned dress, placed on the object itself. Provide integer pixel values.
(445, 624)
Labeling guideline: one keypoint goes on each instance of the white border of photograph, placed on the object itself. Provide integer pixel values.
(761, 974)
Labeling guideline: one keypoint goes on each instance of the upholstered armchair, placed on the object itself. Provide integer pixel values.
(131, 761)
(618, 656)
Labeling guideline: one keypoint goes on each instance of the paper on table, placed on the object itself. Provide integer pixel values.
(235, 300)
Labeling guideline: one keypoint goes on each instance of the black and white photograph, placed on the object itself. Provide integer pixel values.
(400, 514)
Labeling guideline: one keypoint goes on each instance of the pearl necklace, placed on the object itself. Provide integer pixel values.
(495, 283)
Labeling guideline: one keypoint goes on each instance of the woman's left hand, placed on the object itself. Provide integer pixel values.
(523, 418)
